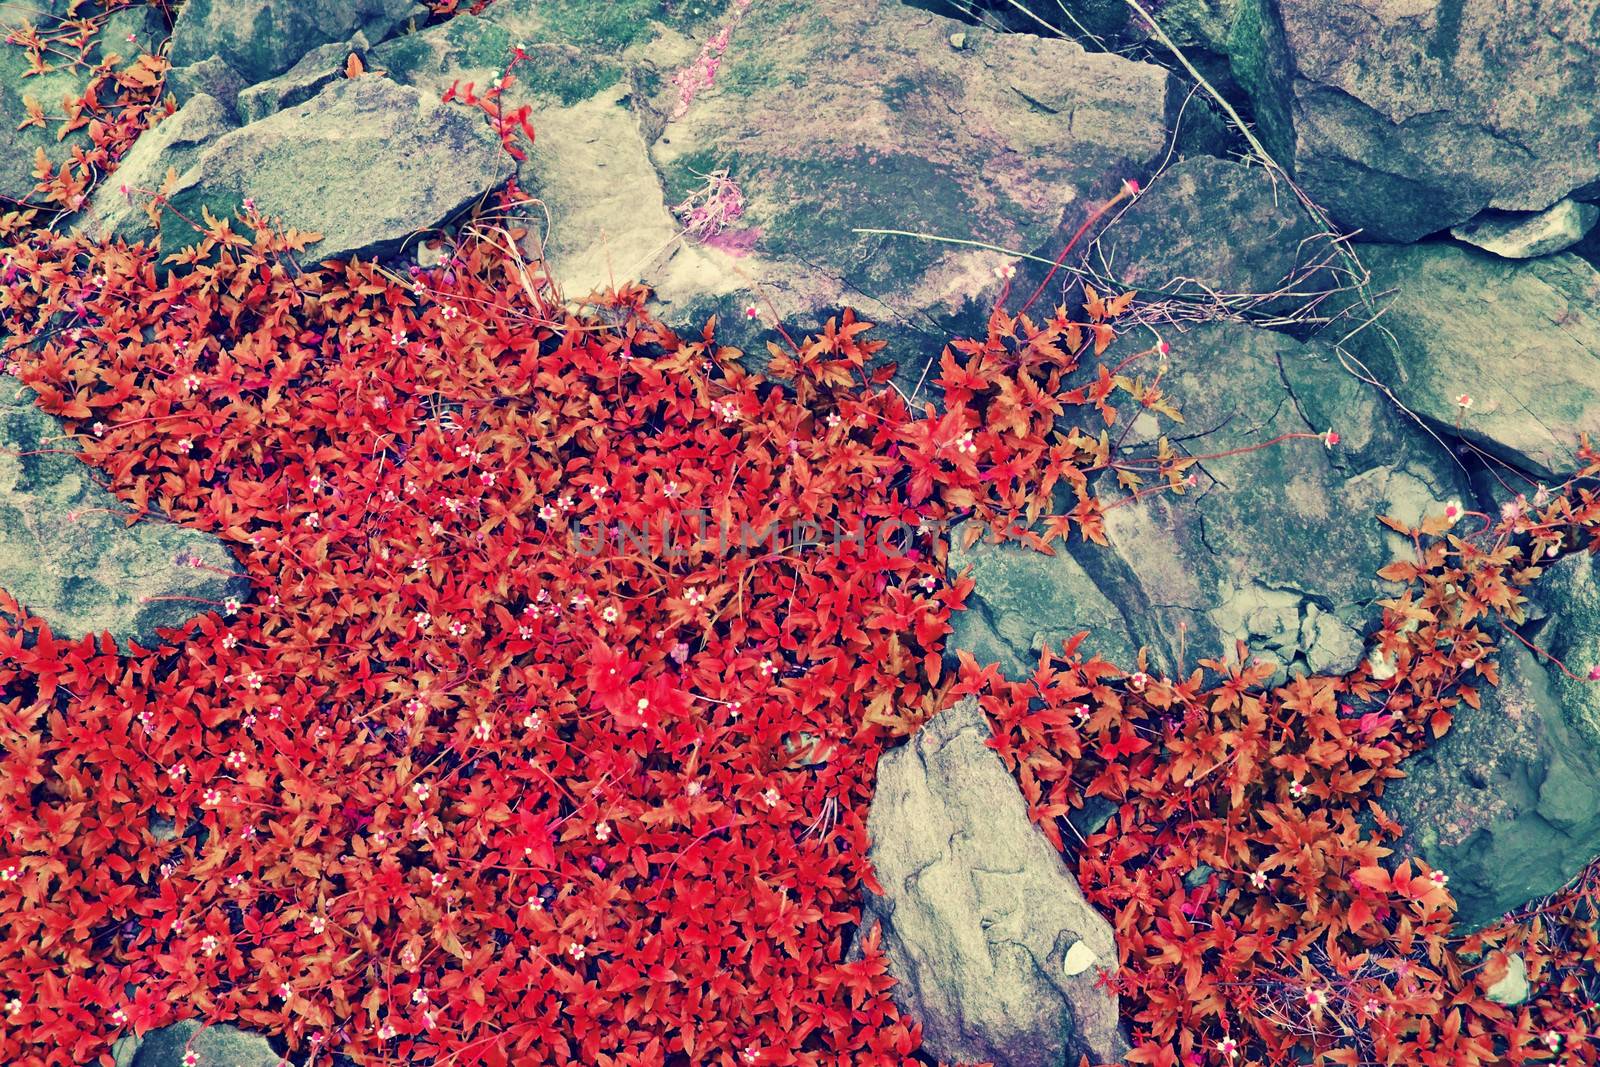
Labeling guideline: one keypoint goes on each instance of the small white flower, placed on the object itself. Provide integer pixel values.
(1258, 879)
(610, 614)
(317, 924)
(421, 790)
(1297, 789)
(185, 445)
(602, 831)
(422, 619)
(771, 796)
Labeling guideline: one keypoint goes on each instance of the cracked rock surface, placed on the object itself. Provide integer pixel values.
(1278, 547)
(1406, 117)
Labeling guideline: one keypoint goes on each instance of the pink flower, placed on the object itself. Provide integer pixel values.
(1330, 438)
(1464, 401)
(1594, 673)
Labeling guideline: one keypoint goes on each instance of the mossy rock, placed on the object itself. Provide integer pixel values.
(366, 163)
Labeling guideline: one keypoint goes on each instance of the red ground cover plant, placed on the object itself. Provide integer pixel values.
(483, 773)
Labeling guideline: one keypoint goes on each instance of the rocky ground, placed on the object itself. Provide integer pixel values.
(1402, 252)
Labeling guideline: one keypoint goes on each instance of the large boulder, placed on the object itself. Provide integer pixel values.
(992, 945)
(1405, 117)
(367, 163)
(1277, 545)
(1520, 341)
(66, 553)
(1508, 802)
(844, 115)
(263, 38)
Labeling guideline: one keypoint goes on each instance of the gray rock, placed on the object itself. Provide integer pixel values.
(1025, 601)
(1405, 117)
(1524, 236)
(173, 144)
(1508, 802)
(993, 947)
(263, 38)
(1278, 547)
(316, 70)
(827, 116)
(366, 163)
(1569, 593)
(65, 80)
(1220, 234)
(1522, 340)
(211, 77)
(841, 115)
(67, 555)
(220, 1045)
(1512, 989)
